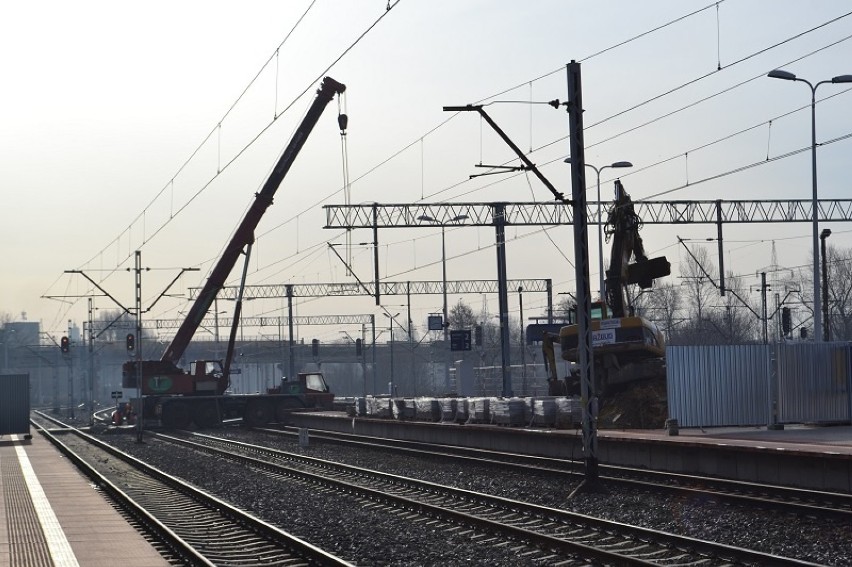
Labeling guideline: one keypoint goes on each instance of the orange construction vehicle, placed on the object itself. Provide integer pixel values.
(628, 350)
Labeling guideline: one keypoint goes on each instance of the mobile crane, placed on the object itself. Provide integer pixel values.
(628, 351)
(177, 398)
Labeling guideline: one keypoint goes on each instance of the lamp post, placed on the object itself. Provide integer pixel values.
(390, 328)
(456, 218)
(787, 76)
(826, 333)
(614, 165)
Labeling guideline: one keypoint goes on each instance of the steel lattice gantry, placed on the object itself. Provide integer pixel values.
(387, 288)
(276, 322)
(554, 213)
(501, 214)
(345, 289)
(211, 323)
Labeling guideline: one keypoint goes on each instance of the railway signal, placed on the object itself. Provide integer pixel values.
(786, 321)
(64, 345)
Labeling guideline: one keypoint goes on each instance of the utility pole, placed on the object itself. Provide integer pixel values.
(70, 374)
(523, 343)
(763, 288)
(91, 364)
(138, 311)
(588, 392)
(140, 413)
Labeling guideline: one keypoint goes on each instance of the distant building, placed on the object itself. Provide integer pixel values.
(23, 333)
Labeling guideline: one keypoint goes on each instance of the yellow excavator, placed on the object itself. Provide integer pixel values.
(628, 350)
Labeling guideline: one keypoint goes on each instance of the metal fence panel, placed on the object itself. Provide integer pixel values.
(718, 385)
(14, 403)
(814, 383)
(731, 385)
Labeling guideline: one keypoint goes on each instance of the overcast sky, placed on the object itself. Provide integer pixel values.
(104, 103)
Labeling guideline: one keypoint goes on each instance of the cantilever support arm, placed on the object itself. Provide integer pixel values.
(529, 165)
(102, 290)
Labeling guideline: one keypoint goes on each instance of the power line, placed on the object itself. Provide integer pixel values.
(251, 142)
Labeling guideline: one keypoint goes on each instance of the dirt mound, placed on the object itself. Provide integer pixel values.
(642, 405)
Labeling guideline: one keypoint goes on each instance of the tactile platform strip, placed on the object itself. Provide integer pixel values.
(27, 544)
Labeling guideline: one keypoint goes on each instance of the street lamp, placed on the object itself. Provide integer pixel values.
(456, 218)
(787, 76)
(391, 319)
(614, 165)
(826, 232)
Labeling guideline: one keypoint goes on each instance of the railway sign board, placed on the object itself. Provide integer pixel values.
(460, 340)
(116, 395)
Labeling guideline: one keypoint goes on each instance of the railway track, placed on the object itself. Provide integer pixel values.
(189, 526)
(829, 505)
(555, 535)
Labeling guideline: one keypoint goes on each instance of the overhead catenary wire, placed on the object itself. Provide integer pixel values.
(465, 181)
(421, 141)
(248, 145)
(218, 125)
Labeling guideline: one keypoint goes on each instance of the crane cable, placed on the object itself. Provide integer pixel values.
(343, 122)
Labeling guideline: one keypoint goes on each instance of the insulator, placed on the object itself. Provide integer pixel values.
(343, 122)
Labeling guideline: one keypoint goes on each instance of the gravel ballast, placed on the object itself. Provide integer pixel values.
(365, 534)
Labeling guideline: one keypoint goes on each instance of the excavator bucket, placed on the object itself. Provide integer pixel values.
(644, 273)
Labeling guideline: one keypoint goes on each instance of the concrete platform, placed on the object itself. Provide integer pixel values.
(818, 458)
(54, 516)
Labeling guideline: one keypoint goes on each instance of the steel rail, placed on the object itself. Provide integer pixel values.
(784, 498)
(207, 512)
(527, 517)
(146, 521)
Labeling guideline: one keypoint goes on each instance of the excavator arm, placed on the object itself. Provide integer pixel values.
(244, 234)
(623, 226)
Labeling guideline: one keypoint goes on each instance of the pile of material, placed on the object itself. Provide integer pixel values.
(478, 410)
(544, 412)
(404, 408)
(568, 412)
(462, 411)
(427, 409)
(448, 408)
(508, 411)
(379, 407)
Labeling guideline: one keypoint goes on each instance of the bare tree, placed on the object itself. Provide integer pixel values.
(839, 268)
(664, 307)
(736, 320)
(564, 308)
(698, 296)
(461, 316)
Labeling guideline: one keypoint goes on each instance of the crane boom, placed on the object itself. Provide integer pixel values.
(245, 232)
